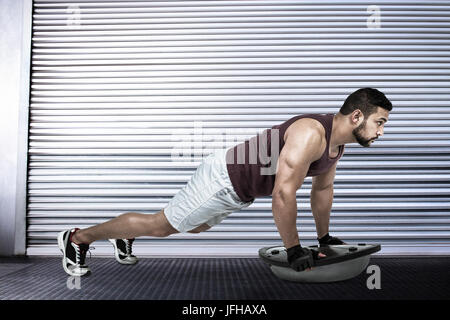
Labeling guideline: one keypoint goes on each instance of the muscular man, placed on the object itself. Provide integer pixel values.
(274, 163)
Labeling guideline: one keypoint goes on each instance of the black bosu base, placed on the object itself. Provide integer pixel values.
(342, 262)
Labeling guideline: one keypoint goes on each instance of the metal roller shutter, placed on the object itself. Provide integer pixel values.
(119, 86)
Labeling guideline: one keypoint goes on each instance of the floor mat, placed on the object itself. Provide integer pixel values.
(8, 268)
(219, 279)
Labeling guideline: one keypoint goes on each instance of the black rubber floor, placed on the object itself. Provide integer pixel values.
(214, 279)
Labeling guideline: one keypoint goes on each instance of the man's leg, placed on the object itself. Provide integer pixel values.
(200, 228)
(322, 223)
(126, 226)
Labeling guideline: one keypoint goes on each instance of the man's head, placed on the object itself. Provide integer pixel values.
(368, 110)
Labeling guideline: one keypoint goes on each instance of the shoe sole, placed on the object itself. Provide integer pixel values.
(116, 254)
(62, 247)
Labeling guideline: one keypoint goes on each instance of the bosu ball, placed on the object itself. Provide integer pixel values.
(342, 262)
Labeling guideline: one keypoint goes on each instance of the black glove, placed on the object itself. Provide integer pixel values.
(329, 240)
(301, 258)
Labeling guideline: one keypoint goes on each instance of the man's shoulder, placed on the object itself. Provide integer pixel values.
(306, 127)
(306, 136)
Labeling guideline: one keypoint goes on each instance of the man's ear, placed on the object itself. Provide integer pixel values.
(357, 117)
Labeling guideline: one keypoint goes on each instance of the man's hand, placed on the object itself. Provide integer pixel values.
(302, 258)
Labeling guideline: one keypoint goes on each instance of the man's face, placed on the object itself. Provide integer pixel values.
(371, 128)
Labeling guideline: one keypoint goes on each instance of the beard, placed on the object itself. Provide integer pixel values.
(358, 134)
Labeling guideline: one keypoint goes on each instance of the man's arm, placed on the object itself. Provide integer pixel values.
(304, 143)
(322, 200)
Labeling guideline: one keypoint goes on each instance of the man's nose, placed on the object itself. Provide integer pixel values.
(380, 131)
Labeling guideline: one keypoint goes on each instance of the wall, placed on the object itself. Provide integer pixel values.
(15, 39)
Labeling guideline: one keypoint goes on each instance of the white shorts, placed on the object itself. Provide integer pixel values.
(209, 196)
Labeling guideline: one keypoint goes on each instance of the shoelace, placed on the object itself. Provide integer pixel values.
(81, 251)
(129, 243)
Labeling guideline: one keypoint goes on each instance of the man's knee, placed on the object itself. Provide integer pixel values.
(164, 231)
(200, 228)
(160, 225)
(155, 225)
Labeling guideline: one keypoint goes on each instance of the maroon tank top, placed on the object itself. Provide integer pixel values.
(252, 168)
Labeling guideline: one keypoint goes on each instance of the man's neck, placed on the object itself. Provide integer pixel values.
(341, 133)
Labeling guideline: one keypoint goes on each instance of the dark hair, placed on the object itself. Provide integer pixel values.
(367, 100)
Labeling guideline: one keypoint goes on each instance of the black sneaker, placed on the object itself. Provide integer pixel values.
(122, 251)
(73, 254)
(328, 240)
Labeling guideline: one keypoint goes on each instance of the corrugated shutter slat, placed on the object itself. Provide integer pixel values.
(117, 86)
